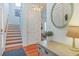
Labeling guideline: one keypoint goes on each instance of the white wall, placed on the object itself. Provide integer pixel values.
(60, 34)
(31, 25)
(5, 19)
(1, 8)
(12, 18)
(5, 14)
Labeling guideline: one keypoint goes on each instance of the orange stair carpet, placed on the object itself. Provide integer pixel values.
(31, 50)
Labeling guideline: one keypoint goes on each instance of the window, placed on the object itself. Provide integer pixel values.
(17, 12)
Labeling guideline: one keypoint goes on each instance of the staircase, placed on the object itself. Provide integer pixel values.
(14, 43)
(13, 38)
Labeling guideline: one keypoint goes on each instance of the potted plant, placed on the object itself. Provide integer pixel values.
(47, 34)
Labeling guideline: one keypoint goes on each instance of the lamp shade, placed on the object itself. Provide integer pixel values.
(73, 31)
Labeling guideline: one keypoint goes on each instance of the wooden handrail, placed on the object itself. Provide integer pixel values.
(6, 24)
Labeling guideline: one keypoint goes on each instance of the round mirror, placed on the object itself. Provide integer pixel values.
(61, 14)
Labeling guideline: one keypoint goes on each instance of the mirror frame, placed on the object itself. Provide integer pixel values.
(71, 4)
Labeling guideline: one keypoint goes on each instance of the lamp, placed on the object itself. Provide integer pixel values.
(73, 31)
(37, 7)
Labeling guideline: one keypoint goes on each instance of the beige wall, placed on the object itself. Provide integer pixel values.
(75, 19)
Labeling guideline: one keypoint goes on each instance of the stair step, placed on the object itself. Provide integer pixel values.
(11, 43)
(13, 24)
(13, 32)
(12, 28)
(13, 48)
(14, 39)
(7, 46)
(14, 35)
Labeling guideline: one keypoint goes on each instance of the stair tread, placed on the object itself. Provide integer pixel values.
(13, 28)
(13, 34)
(13, 31)
(9, 43)
(13, 41)
(13, 48)
(14, 38)
(13, 45)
